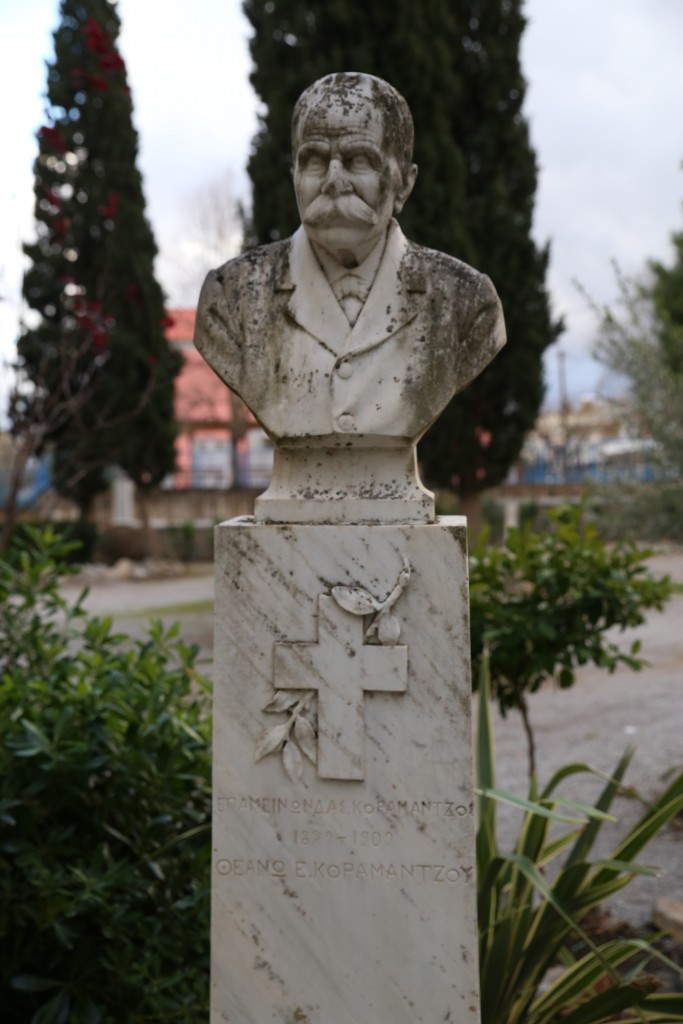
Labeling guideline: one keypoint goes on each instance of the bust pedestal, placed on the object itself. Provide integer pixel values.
(345, 480)
(343, 884)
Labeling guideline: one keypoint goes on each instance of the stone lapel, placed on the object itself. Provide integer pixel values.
(395, 299)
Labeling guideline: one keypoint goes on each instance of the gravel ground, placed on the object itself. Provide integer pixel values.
(592, 722)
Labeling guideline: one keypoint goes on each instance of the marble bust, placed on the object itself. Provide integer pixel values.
(347, 340)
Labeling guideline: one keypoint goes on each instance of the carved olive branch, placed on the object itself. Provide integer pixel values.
(359, 601)
(294, 736)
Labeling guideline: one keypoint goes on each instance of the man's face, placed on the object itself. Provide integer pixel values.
(346, 184)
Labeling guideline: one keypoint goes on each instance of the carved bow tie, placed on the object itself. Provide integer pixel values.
(351, 293)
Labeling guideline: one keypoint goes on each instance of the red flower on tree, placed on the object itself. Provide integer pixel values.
(97, 82)
(84, 78)
(61, 226)
(92, 319)
(111, 62)
(111, 207)
(53, 138)
(54, 199)
(98, 41)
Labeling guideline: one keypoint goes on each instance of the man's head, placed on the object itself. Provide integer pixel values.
(352, 141)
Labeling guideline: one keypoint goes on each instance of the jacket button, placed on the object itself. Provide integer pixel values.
(345, 422)
(344, 370)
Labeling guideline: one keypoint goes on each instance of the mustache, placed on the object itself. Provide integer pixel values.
(350, 207)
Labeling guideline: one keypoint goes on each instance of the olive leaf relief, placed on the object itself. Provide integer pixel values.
(384, 627)
(295, 736)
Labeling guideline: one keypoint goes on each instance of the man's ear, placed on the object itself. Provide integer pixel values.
(405, 189)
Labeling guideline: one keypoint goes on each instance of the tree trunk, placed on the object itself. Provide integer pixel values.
(470, 505)
(11, 507)
(529, 733)
(149, 538)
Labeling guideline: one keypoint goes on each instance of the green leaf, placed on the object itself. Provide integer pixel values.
(485, 768)
(545, 812)
(578, 980)
(32, 983)
(651, 823)
(606, 1005)
(663, 1008)
(585, 842)
(55, 1011)
(615, 865)
(117, 835)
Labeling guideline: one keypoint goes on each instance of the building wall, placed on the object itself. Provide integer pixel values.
(208, 414)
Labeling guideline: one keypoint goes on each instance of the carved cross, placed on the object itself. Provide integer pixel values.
(342, 669)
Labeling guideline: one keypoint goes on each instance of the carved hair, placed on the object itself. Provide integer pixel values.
(349, 86)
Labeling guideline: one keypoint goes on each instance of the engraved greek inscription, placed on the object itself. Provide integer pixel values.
(438, 874)
(361, 808)
(309, 837)
(251, 868)
(366, 838)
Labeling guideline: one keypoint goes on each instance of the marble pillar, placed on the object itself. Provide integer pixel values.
(343, 839)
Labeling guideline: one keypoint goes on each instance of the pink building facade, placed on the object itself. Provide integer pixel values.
(209, 417)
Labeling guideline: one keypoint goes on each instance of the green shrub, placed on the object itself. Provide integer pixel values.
(104, 811)
(79, 537)
(543, 605)
(534, 516)
(527, 922)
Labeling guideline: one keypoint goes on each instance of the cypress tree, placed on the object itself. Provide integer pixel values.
(457, 64)
(97, 332)
(296, 43)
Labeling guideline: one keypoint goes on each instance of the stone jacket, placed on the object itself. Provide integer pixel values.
(269, 325)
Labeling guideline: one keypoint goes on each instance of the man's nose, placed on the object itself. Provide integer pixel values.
(336, 182)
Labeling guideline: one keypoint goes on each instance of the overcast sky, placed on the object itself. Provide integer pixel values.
(604, 101)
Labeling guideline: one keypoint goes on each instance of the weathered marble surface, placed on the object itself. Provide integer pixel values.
(276, 326)
(347, 899)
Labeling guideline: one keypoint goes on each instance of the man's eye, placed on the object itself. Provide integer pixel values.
(314, 163)
(359, 162)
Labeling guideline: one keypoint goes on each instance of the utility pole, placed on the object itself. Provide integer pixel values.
(564, 412)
